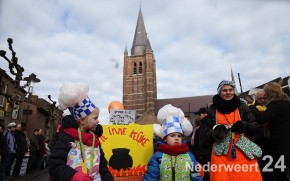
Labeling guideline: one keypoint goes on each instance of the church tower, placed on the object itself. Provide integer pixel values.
(139, 74)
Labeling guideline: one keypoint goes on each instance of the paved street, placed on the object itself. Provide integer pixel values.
(41, 175)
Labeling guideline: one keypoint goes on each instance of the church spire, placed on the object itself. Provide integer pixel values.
(140, 37)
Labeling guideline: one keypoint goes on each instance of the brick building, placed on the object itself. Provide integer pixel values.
(139, 74)
(10, 99)
(14, 108)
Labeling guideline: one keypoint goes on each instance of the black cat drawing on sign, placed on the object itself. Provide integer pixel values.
(121, 159)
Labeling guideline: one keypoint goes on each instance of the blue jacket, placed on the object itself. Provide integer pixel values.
(10, 140)
(153, 169)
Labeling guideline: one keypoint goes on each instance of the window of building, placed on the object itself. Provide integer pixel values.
(16, 106)
(2, 98)
(135, 68)
(140, 67)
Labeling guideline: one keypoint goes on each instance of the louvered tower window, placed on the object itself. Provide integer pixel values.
(135, 68)
(140, 67)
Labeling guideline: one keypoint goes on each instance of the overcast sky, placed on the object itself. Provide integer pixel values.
(195, 43)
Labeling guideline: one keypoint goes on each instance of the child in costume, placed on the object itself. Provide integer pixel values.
(77, 156)
(172, 161)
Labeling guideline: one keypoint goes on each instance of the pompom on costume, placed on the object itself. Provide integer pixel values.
(78, 154)
(170, 162)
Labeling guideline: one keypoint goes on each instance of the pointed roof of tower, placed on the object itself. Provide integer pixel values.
(140, 37)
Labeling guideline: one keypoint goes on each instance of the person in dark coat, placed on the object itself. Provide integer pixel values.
(3, 152)
(233, 118)
(21, 148)
(201, 153)
(3, 146)
(33, 148)
(41, 151)
(77, 156)
(262, 137)
(277, 115)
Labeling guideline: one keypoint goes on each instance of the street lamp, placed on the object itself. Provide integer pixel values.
(51, 117)
(30, 79)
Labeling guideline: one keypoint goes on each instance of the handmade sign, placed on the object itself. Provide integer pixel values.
(127, 148)
(122, 116)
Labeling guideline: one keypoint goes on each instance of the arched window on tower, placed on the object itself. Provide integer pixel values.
(140, 67)
(135, 68)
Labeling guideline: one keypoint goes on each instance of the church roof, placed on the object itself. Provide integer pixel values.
(140, 37)
(188, 105)
(283, 82)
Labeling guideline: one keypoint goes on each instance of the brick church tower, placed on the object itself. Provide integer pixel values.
(139, 74)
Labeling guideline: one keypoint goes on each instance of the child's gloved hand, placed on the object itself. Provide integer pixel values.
(80, 176)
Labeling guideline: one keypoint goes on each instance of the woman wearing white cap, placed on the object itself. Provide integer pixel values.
(77, 155)
(172, 161)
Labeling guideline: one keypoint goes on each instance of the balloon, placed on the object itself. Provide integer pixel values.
(115, 105)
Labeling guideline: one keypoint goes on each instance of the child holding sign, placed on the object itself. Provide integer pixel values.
(77, 155)
(172, 161)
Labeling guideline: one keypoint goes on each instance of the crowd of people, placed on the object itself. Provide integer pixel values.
(232, 138)
(14, 145)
